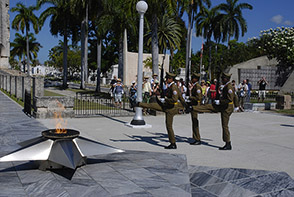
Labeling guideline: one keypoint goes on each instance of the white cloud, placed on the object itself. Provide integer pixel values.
(287, 22)
(277, 19)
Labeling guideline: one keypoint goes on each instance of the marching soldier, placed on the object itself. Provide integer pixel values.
(195, 99)
(225, 106)
(170, 105)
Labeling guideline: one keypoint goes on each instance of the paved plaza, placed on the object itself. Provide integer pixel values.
(260, 164)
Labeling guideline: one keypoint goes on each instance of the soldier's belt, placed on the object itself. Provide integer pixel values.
(175, 103)
(230, 102)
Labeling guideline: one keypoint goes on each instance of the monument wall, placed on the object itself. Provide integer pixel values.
(4, 34)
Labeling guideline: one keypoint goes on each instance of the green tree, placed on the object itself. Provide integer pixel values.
(279, 43)
(191, 8)
(208, 25)
(233, 20)
(19, 47)
(62, 22)
(169, 34)
(22, 21)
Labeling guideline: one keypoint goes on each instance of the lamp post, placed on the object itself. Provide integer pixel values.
(141, 7)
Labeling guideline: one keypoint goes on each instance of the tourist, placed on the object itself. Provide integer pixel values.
(242, 93)
(261, 91)
(249, 91)
(118, 92)
(146, 90)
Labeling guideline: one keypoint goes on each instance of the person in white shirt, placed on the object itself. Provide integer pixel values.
(243, 89)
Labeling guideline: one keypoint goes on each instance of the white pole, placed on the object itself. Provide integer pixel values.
(138, 118)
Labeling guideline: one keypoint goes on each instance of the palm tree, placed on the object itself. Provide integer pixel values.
(232, 19)
(191, 8)
(62, 23)
(22, 21)
(18, 47)
(169, 34)
(208, 24)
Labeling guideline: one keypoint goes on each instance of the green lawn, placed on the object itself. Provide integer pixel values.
(49, 93)
(286, 111)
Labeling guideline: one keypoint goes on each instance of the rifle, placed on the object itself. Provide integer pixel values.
(161, 84)
(161, 78)
(217, 83)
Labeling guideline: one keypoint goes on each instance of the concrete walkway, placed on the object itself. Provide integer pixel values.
(258, 165)
(260, 140)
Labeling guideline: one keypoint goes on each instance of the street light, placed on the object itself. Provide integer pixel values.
(141, 7)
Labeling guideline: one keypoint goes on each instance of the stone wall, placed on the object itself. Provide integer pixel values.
(16, 83)
(47, 107)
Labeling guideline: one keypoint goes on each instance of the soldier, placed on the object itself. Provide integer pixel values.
(225, 106)
(169, 105)
(195, 98)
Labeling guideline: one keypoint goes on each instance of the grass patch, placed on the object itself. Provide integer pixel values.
(19, 101)
(285, 111)
(49, 93)
(265, 101)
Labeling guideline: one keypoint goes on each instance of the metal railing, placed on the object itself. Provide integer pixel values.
(95, 104)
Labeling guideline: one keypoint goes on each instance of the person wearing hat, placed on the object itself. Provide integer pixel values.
(170, 105)
(146, 90)
(118, 92)
(225, 106)
(195, 98)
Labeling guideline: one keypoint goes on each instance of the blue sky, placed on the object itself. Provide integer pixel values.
(265, 14)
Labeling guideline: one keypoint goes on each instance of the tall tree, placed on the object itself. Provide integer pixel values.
(18, 47)
(169, 34)
(208, 24)
(62, 23)
(233, 19)
(191, 8)
(22, 21)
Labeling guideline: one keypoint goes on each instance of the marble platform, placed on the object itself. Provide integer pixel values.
(132, 173)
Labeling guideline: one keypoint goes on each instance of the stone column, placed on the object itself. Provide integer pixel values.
(19, 87)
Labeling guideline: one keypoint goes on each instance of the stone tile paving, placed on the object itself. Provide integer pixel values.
(132, 173)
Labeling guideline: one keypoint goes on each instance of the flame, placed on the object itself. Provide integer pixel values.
(60, 124)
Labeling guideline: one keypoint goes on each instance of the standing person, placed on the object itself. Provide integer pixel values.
(235, 100)
(183, 88)
(225, 106)
(153, 79)
(249, 91)
(203, 88)
(112, 85)
(133, 94)
(118, 92)
(212, 91)
(170, 105)
(195, 98)
(146, 90)
(261, 91)
(242, 89)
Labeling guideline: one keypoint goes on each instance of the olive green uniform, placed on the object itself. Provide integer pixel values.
(226, 108)
(195, 98)
(170, 107)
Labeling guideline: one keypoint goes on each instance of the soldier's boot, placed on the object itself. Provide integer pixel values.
(171, 146)
(227, 146)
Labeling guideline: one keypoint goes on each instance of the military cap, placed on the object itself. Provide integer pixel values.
(118, 80)
(195, 75)
(226, 75)
(168, 74)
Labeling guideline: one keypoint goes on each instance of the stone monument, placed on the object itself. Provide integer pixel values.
(4, 34)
